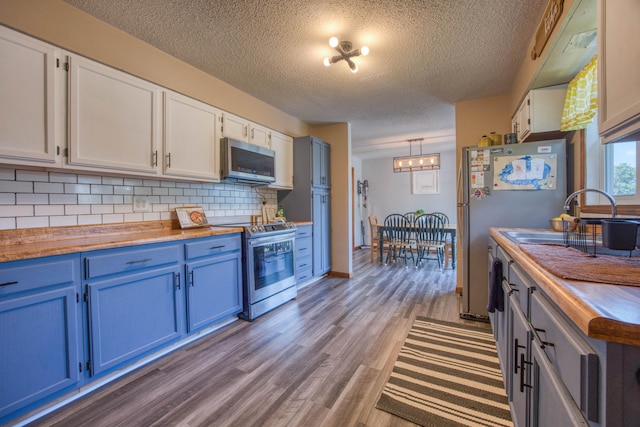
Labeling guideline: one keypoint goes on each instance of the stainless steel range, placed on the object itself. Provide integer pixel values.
(269, 263)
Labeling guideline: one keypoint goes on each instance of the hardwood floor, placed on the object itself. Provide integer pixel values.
(321, 360)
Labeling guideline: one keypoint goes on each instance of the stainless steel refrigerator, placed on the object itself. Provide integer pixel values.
(514, 185)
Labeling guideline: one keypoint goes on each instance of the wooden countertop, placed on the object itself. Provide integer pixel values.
(41, 242)
(602, 311)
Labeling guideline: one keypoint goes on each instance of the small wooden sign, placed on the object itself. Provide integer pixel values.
(549, 20)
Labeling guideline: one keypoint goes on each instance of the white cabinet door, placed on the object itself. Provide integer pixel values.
(235, 127)
(618, 68)
(28, 98)
(114, 119)
(259, 135)
(283, 146)
(191, 143)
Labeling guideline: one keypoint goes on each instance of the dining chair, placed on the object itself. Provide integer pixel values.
(448, 252)
(375, 238)
(430, 238)
(397, 229)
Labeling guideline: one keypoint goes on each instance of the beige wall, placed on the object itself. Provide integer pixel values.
(64, 26)
(339, 137)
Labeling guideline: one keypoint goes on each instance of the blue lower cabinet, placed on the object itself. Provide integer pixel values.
(40, 332)
(214, 289)
(132, 315)
(213, 279)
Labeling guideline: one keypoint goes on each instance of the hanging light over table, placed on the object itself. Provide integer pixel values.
(416, 162)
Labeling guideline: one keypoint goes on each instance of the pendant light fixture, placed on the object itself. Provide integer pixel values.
(346, 52)
(417, 162)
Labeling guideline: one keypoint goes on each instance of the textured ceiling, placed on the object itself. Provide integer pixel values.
(425, 56)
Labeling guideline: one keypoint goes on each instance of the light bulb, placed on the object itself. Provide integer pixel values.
(327, 62)
(333, 41)
(364, 51)
(421, 162)
(432, 160)
(410, 163)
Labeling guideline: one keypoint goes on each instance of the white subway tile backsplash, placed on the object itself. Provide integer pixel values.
(101, 189)
(49, 210)
(113, 200)
(133, 217)
(77, 209)
(16, 187)
(48, 187)
(101, 209)
(31, 175)
(77, 188)
(7, 198)
(112, 218)
(122, 189)
(7, 223)
(32, 221)
(63, 199)
(68, 178)
(62, 221)
(89, 199)
(33, 198)
(107, 180)
(7, 174)
(89, 219)
(142, 191)
(89, 179)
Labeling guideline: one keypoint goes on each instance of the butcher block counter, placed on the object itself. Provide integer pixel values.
(600, 310)
(42, 242)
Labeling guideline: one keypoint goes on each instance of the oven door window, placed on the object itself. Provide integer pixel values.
(273, 263)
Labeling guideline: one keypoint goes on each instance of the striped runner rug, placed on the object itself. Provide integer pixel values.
(447, 374)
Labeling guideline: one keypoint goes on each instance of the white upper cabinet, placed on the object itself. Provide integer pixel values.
(29, 120)
(259, 135)
(191, 140)
(114, 119)
(283, 146)
(541, 111)
(235, 127)
(618, 69)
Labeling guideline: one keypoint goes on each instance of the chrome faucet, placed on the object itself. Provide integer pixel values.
(584, 190)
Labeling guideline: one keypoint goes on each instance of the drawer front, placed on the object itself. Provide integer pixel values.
(520, 286)
(304, 247)
(213, 246)
(115, 261)
(304, 263)
(304, 231)
(304, 275)
(19, 276)
(573, 358)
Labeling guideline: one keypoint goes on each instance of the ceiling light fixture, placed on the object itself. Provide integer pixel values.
(346, 51)
(416, 162)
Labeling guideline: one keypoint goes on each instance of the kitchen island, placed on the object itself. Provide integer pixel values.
(569, 350)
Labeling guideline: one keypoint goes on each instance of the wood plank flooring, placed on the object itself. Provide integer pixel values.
(321, 360)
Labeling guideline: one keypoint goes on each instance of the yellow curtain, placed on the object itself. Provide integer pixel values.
(581, 105)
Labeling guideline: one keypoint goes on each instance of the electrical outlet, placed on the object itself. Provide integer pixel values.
(141, 204)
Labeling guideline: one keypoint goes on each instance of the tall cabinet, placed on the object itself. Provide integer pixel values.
(310, 199)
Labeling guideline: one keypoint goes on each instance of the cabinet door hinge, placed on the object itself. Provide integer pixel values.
(86, 293)
(65, 152)
(88, 365)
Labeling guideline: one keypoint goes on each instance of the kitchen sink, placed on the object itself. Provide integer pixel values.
(539, 237)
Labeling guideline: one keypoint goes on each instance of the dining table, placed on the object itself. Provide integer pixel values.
(449, 229)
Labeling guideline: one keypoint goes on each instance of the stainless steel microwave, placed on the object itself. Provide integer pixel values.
(246, 162)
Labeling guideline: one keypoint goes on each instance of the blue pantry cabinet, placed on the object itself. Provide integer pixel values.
(40, 330)
(68, 320)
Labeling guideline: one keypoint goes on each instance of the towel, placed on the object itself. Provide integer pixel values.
(496, 296)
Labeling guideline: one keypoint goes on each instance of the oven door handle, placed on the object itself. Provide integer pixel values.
(259, 241)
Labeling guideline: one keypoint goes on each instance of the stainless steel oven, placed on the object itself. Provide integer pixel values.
(270, 277)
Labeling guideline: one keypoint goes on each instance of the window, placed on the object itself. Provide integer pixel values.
(612, 167)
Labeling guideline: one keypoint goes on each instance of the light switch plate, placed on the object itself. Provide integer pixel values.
(141, 204)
